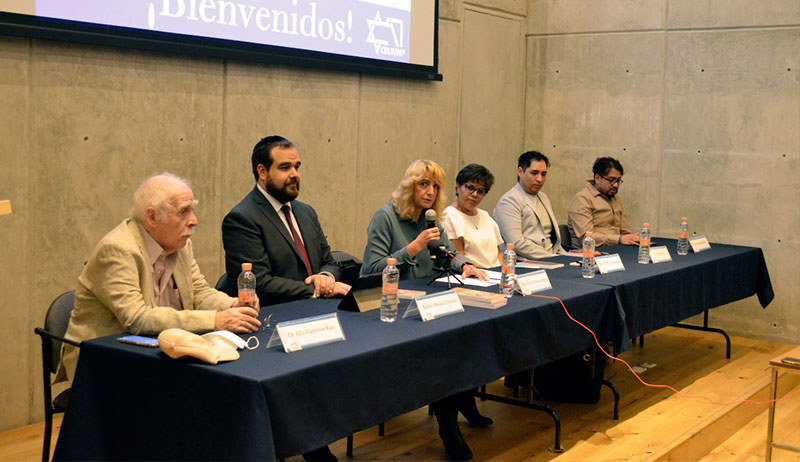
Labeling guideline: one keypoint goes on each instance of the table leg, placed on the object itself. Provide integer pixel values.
(616, 396)
(771, 421)
(705, 328)
(556, 421)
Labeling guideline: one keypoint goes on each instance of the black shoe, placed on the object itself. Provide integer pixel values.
(470, 410)
(454, 444)
(479, 420)
(322, 454)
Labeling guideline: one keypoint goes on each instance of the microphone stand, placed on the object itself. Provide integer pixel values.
(444, 269)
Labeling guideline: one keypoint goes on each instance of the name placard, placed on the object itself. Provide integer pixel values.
(699, 244)
(536, 281)
(309, 332)
(660, 254)
(435, 306)
(609, 263)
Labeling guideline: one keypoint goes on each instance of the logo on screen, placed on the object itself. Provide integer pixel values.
(382, 31)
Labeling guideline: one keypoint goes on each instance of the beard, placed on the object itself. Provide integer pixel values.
(283, 194)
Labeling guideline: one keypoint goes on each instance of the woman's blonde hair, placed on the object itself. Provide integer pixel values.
(403, 195)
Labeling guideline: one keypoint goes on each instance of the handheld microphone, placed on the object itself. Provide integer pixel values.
(435, 247)
(430, 217)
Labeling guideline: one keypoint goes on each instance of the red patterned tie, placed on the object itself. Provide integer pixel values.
(299, 243)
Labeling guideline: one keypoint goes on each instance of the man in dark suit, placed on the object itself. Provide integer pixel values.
(279, 235)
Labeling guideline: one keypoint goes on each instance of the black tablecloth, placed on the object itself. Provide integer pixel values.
(130, 402)
(658, 295)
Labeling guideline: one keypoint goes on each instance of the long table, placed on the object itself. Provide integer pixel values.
(132, 403)
(653, 296)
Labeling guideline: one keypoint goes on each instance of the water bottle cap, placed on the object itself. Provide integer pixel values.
(247, 266)
(589, 234)
(510, 246)
(684, 219)
(646, 225)
(391, 261)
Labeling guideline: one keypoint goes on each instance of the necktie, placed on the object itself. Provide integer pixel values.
(297, 242)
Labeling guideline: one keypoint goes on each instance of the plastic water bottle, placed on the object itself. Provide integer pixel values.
(644, 244)
(247, 285)
(587, 264)
(391, 280)
(507, 277)
(683, 237)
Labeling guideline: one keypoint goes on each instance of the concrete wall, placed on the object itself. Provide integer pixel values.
(700, 100)
(82, 126)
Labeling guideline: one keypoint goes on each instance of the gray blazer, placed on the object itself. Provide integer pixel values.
(519, 224)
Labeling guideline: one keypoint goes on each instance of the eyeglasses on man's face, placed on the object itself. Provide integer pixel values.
(613, 181)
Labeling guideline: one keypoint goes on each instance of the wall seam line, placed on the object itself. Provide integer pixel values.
(223, 156)
(358, 163)
(29, 289)
(663, 99)
(664, 29)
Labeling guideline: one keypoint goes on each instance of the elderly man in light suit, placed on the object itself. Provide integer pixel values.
(142, 277)
(524, 213)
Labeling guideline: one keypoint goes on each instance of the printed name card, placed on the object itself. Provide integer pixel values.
(536, 281)
(699, 244)
(435, 306)
(309, 332)
(609, 263)
(660, 254)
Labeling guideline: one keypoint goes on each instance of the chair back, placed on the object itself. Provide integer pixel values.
(222, 282)
(56, 321)
(566, 240)
(349, 264)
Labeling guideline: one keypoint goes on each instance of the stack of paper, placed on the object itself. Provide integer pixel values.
(480, 298)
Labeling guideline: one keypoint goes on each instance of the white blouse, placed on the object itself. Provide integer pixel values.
(480, 232)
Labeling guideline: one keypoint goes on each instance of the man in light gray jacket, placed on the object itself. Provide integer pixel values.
(524, 213)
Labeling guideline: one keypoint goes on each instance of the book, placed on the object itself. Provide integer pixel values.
(408, 294)
(579, 254)
(539, 264)
(480, 298)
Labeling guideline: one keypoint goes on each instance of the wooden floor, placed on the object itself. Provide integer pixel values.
(654, 424)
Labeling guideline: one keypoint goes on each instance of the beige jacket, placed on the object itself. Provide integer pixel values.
(592, 211)
(115, 294)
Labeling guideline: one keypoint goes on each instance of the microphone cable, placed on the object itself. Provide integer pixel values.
(638, 377)
(685, 395)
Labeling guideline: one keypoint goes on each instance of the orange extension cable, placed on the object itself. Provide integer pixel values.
(685, 395)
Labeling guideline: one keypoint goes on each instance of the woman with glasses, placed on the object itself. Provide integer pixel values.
(399, 230)
(472, 231)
